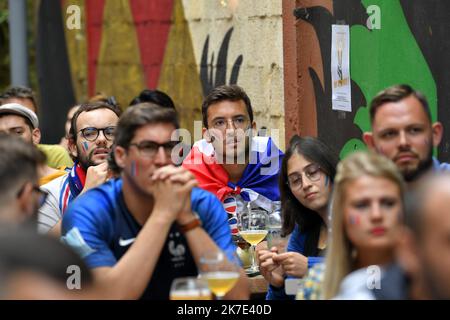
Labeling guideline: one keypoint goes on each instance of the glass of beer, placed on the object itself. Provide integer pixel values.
(189, 288)
(253, 227)
(220, 273)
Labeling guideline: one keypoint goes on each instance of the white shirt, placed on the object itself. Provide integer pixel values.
(355, 286)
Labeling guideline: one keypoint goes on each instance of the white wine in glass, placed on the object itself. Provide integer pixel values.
(253, 236)
(220, 282)
(253, 227)
(220, 273)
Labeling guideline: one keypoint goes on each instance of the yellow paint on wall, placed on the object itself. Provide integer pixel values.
(77, 51)
(179, 73)
(119, 71)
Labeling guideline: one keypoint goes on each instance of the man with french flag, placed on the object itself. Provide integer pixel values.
(230, 161)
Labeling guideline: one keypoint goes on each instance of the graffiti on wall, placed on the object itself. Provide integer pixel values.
(211, 80)
(380, 57)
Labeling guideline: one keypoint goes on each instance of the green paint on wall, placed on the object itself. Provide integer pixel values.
(384, 57)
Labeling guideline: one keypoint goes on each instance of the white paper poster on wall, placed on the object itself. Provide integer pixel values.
(341, 97)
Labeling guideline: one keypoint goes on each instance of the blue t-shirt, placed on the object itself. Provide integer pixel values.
(296, 243)
(100, 228)
(440, 166)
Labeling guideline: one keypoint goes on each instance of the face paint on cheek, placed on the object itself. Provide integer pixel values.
(355, 220)
(85, 146)
(326, 181)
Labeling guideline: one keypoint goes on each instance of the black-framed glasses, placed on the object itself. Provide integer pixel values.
(149, 149)
(312, 172)
(238, 122)
(91, 133)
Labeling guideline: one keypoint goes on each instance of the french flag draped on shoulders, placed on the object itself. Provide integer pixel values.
(259, 182)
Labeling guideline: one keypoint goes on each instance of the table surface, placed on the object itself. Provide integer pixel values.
(258, 284)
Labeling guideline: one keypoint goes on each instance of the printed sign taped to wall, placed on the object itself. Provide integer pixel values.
(340, 68)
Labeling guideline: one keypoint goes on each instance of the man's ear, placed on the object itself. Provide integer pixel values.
(25, 201)
(254, 132)
(120, 155)
(36, 136)
(368, 140)
(437, 131)
(72, 147)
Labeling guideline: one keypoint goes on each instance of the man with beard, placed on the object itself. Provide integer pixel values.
(232, 163)
(20, 195)
(403, 131)
(90, 139)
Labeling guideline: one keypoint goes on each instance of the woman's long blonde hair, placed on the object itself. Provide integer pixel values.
(339, 260)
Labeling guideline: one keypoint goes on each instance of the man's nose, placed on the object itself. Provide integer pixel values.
(101, 138)
(403, 139)
(161, 157)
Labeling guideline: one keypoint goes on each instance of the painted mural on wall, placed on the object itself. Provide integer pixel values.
(399, 48)
(182, 47)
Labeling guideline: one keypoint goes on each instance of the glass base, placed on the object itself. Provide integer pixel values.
(252, 272)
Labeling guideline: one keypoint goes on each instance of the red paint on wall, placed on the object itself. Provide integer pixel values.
(94, 21)
(153, 21)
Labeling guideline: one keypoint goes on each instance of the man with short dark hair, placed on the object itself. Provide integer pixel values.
(403, 131)
(37, 267)
(21, 95)
(90, 140)
(232, 163)
(141, 231)
(20, 195)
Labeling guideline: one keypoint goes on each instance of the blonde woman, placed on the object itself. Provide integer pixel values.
(366, 218)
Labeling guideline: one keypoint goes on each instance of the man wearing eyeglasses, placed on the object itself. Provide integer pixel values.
(20, 195)
(141, 231)
(90, 140)
(231, 162)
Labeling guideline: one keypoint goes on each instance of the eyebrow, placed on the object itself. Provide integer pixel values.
(15, 128)
(233, 117)
(304, 168)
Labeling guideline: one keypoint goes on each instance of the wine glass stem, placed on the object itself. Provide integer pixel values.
(254, 266)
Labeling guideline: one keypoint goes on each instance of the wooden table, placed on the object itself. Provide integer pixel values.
(258, 287)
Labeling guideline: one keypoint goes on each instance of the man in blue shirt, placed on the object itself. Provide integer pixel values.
(403, 131)
(150, 226)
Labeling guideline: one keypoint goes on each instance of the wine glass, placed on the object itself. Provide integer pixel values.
(275, 236)
(253, 227)
(220, 273)
(189, 288)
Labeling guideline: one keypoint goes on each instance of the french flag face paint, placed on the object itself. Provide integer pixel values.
(355, 220)
(85, 146)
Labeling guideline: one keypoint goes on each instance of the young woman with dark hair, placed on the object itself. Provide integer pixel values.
(306, 179)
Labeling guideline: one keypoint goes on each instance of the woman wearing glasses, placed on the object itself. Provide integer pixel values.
(306, 179)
